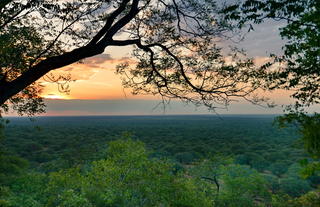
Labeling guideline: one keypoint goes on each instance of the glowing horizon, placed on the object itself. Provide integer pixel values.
(55, 97)
(95, 77)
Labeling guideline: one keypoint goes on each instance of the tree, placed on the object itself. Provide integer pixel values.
(299, 65)
(300, 62)
(125, 177)
(242, 186)
(210, 170)
(294, 186)
(309, 129)
(176, 48)
(310, 199)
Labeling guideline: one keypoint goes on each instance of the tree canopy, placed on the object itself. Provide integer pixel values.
(299, 65)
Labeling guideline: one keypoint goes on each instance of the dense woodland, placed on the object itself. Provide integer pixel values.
(155, 161)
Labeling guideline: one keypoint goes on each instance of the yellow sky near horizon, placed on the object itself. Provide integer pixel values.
(95, 79)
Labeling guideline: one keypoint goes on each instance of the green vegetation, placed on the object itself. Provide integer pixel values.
(300, 68)
(251, 140)
(297, 69)
(246, 162)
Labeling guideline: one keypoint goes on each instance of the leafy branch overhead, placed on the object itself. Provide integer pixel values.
(300, 62)
(177, 48)
(301, 59)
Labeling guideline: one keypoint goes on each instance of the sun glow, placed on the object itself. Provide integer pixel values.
(54, 96)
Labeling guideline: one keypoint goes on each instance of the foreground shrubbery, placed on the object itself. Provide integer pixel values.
(127, 176)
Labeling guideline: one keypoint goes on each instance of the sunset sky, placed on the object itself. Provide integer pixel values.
(98, 90)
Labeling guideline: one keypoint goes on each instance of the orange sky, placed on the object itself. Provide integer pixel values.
(98, 91)
(95, 79)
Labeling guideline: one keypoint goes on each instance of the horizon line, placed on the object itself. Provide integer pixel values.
(124, 115)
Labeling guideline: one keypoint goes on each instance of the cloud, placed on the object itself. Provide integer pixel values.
(101, 60)
(87, 68)
(97, 61)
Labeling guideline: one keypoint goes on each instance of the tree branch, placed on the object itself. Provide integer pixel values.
(109, 22)
(9, 89)
(122, 22)
(95, 47)
(215, 180)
